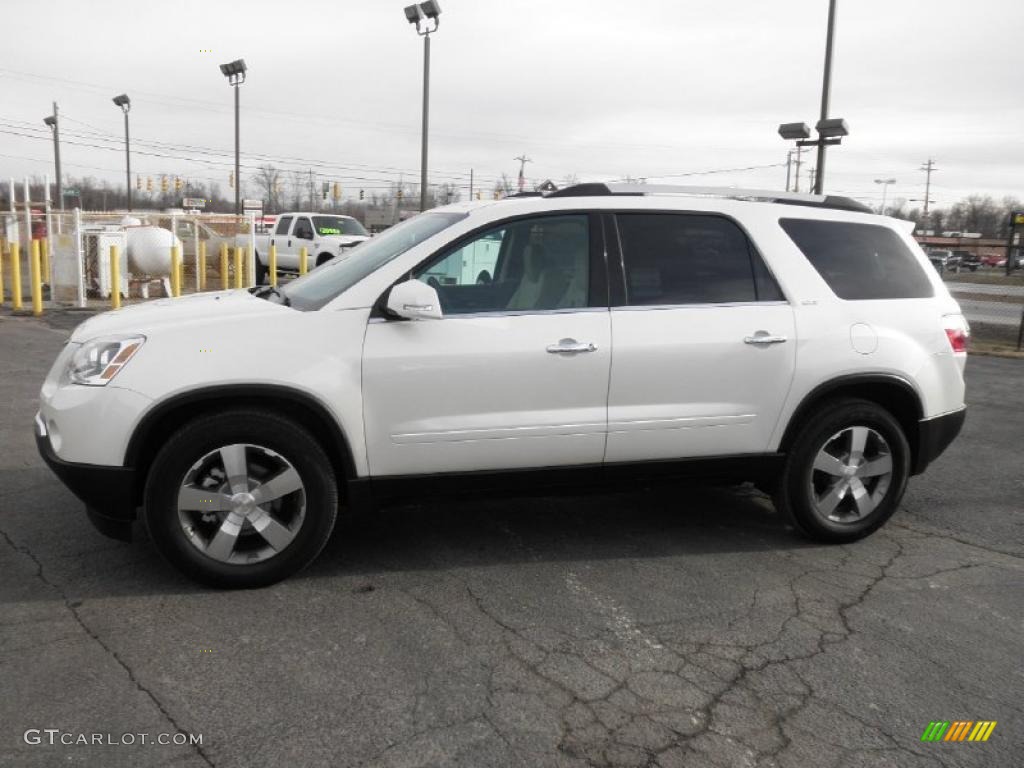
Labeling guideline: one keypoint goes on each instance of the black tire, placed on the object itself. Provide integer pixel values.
(323, 258)
(795, 494)
(205, 434)
(261, 272)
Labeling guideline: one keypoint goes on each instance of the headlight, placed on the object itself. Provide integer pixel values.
(96, 362)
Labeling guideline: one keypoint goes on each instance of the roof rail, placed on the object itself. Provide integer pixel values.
(599, 189)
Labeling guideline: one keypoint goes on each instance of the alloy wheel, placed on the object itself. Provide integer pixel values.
(241, 504)
(851, 475)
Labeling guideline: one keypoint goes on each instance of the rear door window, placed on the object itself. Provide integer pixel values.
(678, 259)
(860, 261)
(283, 225)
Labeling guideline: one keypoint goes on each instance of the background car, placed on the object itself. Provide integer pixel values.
(944, 261)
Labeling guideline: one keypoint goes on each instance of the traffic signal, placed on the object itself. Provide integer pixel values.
(360, 194)
(138, 181)
(163, 184)
(178, 184)
(325, 188)
(478, 194)
(336, 191)
(399, 193)
(149, 183)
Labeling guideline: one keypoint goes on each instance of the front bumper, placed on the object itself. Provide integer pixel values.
(108, 492)
(934, 436)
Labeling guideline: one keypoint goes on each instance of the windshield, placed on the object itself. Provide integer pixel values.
(325, 282)
(337, 225)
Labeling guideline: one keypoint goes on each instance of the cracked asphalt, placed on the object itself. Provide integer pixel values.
(661, 627)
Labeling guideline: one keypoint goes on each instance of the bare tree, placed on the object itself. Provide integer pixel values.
(268, 181)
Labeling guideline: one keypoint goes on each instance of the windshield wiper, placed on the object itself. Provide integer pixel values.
(271, 290)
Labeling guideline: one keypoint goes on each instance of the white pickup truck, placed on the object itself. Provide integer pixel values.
(324, 235)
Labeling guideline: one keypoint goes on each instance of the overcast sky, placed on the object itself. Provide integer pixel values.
(646, 88)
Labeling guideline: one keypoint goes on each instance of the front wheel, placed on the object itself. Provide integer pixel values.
(240, 499)
(845, 473)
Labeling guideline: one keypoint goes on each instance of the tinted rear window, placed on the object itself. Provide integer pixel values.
(679, 259)
(860, 261)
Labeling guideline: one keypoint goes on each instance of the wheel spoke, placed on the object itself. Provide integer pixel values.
(828, 502)
(282, 484)
(829, 464)
(202, 500)
(858, 439)
(880, 466)
(223, 543)
(865, 504)
(235, 467)
(275, 534)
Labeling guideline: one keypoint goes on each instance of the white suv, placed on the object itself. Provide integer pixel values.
(598, 334)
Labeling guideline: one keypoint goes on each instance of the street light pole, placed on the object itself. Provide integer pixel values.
(885, 188)
(417, 14)
(235, 73)
(426, 119)
(125, 104)
(52, 121)
(826, 88)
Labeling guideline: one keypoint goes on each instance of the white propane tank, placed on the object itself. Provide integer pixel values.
(149, 250)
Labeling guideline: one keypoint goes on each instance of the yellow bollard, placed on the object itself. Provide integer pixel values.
(115, 278)
(238, 267)
(225, 283)
(273, 264)
(2, 251)
(44, 252)
(15, 276)
(175, 272)
(303, 260)
(36, 277)
(201, 277)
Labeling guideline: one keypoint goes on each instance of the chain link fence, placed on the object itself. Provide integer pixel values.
(76, 246)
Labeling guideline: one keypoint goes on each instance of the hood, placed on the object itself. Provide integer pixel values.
(196, 309)
(347, 241)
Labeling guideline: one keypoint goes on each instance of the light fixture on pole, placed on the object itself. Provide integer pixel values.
(885, 188)
(125, 104)
(830, 130)
(52, 121)
(234, 71)
(426, 17)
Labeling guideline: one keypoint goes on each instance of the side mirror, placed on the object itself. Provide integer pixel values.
(415, 301)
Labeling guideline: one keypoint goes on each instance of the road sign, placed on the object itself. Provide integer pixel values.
(193, 202)
(1018, 218)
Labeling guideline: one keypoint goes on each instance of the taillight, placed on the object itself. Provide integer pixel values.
(957, 331)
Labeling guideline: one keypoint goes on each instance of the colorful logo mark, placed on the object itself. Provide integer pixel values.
(958, 730)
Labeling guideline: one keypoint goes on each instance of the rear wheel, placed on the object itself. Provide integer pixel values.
(240, 499)
(846, 472)
(261, 271)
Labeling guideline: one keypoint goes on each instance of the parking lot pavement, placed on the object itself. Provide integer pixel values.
(661, 627)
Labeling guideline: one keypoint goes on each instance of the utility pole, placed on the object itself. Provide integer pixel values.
(789, 163)
(798, 162)
(470, 183)
(523, 160)
(812, 173)
(928, 169)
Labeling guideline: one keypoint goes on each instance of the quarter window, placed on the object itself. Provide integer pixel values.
(673, 259)
(860, 261)
(527, 265)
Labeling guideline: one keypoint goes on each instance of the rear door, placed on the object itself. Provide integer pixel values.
(281, 239)
(704, 341)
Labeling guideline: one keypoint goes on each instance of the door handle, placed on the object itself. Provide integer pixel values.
(763, 338)
(571, 346)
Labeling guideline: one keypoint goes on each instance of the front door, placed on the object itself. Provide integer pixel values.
(705, 342)
(514, 375)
